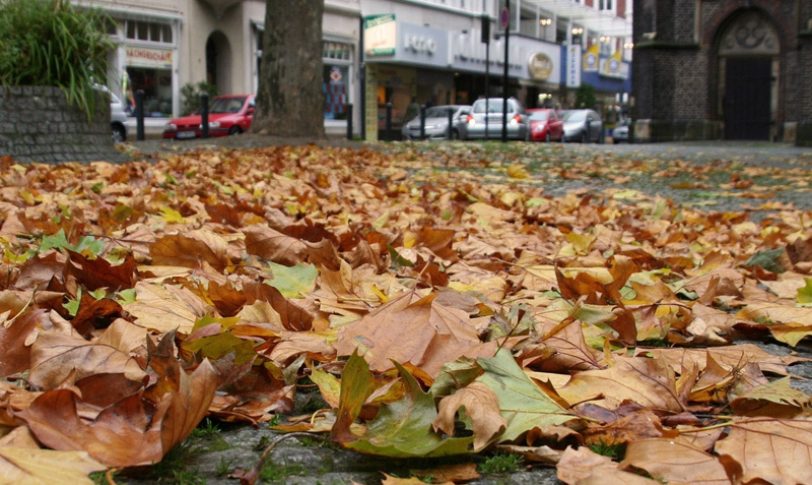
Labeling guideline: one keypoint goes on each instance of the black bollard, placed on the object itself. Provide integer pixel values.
(389, 121)
(204, 115)
(139, 115)
(348, 106)
(451, 124)
(422, 121)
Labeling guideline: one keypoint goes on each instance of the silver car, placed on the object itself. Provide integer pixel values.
(621, 133)
(582, 125)
(437, 123)
(491, 116)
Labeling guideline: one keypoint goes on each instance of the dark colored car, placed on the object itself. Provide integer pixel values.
(545, 125)
(228, 115)
(437, 122)
(582, 125)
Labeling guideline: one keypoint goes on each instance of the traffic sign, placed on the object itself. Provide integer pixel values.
(504, 18)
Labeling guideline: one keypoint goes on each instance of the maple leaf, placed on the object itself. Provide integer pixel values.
(674, 462)
(481, 406)
(424, 333)
(772, 450)
(22, 461)
(583, 466)
(522, 403)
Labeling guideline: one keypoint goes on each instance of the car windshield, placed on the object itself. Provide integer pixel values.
(577, 115)
(494, 106)
(437, 112)
(540, 116)
(226, 105)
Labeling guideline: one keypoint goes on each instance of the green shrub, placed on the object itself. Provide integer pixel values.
(585, 97)
(51, 43)
(190, 93)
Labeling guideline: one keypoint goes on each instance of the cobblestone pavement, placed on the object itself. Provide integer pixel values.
(214, 451)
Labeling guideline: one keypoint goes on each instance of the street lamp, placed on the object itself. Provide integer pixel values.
(545, 21)
(577, 30)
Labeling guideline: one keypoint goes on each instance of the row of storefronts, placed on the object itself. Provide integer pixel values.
(374, 52)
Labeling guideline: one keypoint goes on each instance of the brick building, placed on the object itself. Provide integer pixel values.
(723, 69)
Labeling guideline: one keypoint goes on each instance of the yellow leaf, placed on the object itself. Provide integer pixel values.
(171, 216)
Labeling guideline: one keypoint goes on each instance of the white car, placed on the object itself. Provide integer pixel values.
(117, 119)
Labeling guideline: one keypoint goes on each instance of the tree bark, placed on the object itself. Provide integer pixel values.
(290, 101)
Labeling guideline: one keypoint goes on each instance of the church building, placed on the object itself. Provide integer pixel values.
(723, 69)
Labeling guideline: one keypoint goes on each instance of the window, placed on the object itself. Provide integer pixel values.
(336, 51)
(149, 31)
(605, 5)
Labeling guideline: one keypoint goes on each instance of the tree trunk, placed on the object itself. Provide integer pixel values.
(290, 101)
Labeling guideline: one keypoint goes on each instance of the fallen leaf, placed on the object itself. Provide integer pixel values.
(674, 462)
(583, 466)
(481, 406)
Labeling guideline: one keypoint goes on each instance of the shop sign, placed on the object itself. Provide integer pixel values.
(380, 35)
(150, 58)
(540, 66)
(420, 44)
(573, 66)
(614, 67)
(591, 59)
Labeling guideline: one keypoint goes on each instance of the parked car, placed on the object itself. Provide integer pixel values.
(479, 118)
(545, 125)
(118, 116)
(582, 125)
(228, 115)
(437, 122)
(621, 133)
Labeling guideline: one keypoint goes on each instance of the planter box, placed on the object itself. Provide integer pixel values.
(38, 125)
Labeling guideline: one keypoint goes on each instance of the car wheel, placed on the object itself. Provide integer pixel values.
(235, 130)
(584, 137)
(119, 133)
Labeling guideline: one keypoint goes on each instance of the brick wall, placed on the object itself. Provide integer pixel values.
(37, 125)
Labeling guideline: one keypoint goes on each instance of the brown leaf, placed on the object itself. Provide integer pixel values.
(674, 462)
(14, 335)
(423, 333)
(729, 356)
(772, 450)
(190, 249)
(99, 273)
(481, 406)
(55, 356)
(165, 308)
(583, 466)
(280, 248)
(649, 382)
(94, 314)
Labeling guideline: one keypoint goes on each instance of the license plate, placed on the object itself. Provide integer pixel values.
(182, 135)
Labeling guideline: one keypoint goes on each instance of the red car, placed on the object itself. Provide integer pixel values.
(228, 115)
(545, 125)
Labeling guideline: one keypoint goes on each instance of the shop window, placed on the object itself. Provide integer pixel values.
(337, 51)
(157, 86)
(335, 82)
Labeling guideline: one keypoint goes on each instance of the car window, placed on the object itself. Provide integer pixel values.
(575, 116)
(494, 106)
(541, 116)
(437, 112)
(227, 105)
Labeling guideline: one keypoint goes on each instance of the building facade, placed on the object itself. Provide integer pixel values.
(164, 45)
(723, 69)
(404, 52)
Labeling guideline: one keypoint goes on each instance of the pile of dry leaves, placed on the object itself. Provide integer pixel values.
(437, 318)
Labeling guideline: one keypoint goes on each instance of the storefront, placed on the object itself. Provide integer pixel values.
(407, 66)
(146, 60)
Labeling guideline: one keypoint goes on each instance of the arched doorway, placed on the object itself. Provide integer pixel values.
(748, 50)
(218, 62)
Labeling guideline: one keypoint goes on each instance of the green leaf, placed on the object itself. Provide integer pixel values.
(218, 346)
(805, 293)
(293, 281)
(88, 246)
(453, 376)
(171, 216)
(769, 260)
(125, 297)
(72, 306)
(403, 429)
(54, 241)
(523, 405)
(356, 386)
(329, 386)
(397, 260)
